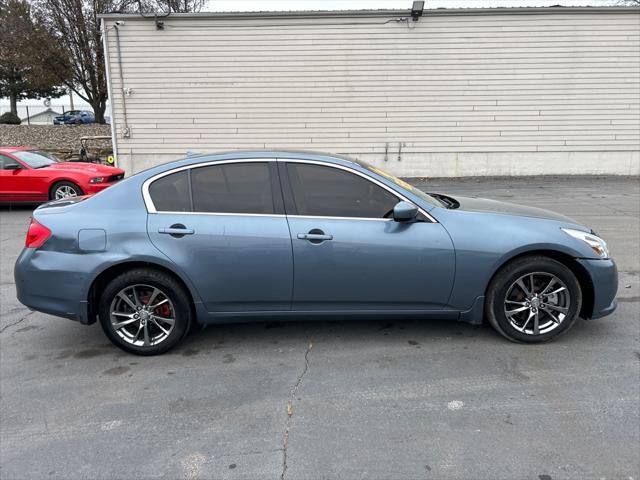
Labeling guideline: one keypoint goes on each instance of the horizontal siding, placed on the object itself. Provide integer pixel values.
(448, 85)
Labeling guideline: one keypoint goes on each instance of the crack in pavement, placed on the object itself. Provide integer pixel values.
(292, 394)
(17, 321)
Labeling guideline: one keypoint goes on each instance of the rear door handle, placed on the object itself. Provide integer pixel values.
(177, 230)
(315, 236)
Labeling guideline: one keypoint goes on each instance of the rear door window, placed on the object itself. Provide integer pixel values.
(233, 188)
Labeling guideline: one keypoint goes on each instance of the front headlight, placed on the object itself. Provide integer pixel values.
(97, 180)
(596, 244)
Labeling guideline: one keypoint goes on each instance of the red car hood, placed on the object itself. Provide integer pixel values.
(85, 167)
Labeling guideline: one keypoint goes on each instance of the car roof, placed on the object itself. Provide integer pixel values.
(284, 154)
(195, 159)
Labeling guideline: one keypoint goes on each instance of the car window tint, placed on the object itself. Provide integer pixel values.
(4, 161)
(331, 192)
(171, 193)
(232, 188)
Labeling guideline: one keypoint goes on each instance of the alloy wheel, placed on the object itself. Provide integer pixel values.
(65, 191)
(142, 315)
(537, 303)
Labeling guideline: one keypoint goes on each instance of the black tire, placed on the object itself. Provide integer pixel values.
(508, 275)
(58, 185)
(170, 288)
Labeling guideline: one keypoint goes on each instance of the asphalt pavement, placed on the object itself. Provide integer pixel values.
(346, 399)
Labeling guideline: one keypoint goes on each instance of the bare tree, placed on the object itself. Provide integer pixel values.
(76, 26)
(184, 6)
(627, 3)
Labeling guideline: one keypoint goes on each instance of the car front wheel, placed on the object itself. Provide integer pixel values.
(533, 299)
(64, 190)
(145, 312)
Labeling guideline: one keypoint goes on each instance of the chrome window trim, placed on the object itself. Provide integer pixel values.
(220, 214)
(152, 209)
(323, 217)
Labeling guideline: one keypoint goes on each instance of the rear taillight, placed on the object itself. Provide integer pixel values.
(36, 235)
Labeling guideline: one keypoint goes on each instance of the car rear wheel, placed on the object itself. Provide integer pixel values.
(145, 312)
(533, 299)
(64, 190)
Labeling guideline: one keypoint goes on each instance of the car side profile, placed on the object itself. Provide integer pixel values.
(255, 235)
(74, 117)
(29, 175)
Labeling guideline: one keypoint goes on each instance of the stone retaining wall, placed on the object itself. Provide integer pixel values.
(62, 140)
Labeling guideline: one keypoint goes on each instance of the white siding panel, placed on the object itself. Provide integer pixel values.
(460, 94)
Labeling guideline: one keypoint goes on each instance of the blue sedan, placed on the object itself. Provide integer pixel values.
(263, 235)
(74, 117)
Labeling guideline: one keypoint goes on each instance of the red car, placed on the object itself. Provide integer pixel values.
(30, 175)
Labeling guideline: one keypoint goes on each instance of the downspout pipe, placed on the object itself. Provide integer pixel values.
(126, 132)
(105, 46)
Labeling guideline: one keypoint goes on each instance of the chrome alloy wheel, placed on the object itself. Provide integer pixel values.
(65, 191)
(537, 303)
(142, 315)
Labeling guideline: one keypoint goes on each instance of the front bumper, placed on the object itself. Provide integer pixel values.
(93, 188)
(604, 279)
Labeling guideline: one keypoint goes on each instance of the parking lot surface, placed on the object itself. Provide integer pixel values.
(308, 400)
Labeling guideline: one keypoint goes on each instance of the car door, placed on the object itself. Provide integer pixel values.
(223, 224)
(348, 255)
(17, 184)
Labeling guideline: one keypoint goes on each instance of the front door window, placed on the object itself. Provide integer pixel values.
(332, 192)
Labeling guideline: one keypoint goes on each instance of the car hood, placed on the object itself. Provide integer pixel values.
(472, 204)
(85, 167)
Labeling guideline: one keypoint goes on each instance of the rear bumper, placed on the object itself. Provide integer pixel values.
(604, 278)
(44, 283)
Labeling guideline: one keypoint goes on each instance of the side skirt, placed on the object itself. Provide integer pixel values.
(243, 317)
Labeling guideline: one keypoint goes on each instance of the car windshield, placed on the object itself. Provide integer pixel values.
(36, 158)
(401, 183)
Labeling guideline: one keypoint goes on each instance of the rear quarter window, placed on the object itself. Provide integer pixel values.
(171, 193)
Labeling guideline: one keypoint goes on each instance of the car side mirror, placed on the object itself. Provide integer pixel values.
(13, 166)
(405, 212)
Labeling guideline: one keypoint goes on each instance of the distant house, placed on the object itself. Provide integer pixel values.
(45, 117)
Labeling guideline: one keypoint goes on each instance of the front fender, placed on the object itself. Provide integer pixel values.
(485, 241)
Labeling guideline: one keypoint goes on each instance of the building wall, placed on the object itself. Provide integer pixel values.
(498, 92)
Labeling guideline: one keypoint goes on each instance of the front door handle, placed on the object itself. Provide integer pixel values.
(177, 230)
(315, 236)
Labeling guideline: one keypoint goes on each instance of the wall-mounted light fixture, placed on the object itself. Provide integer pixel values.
(416, 10)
